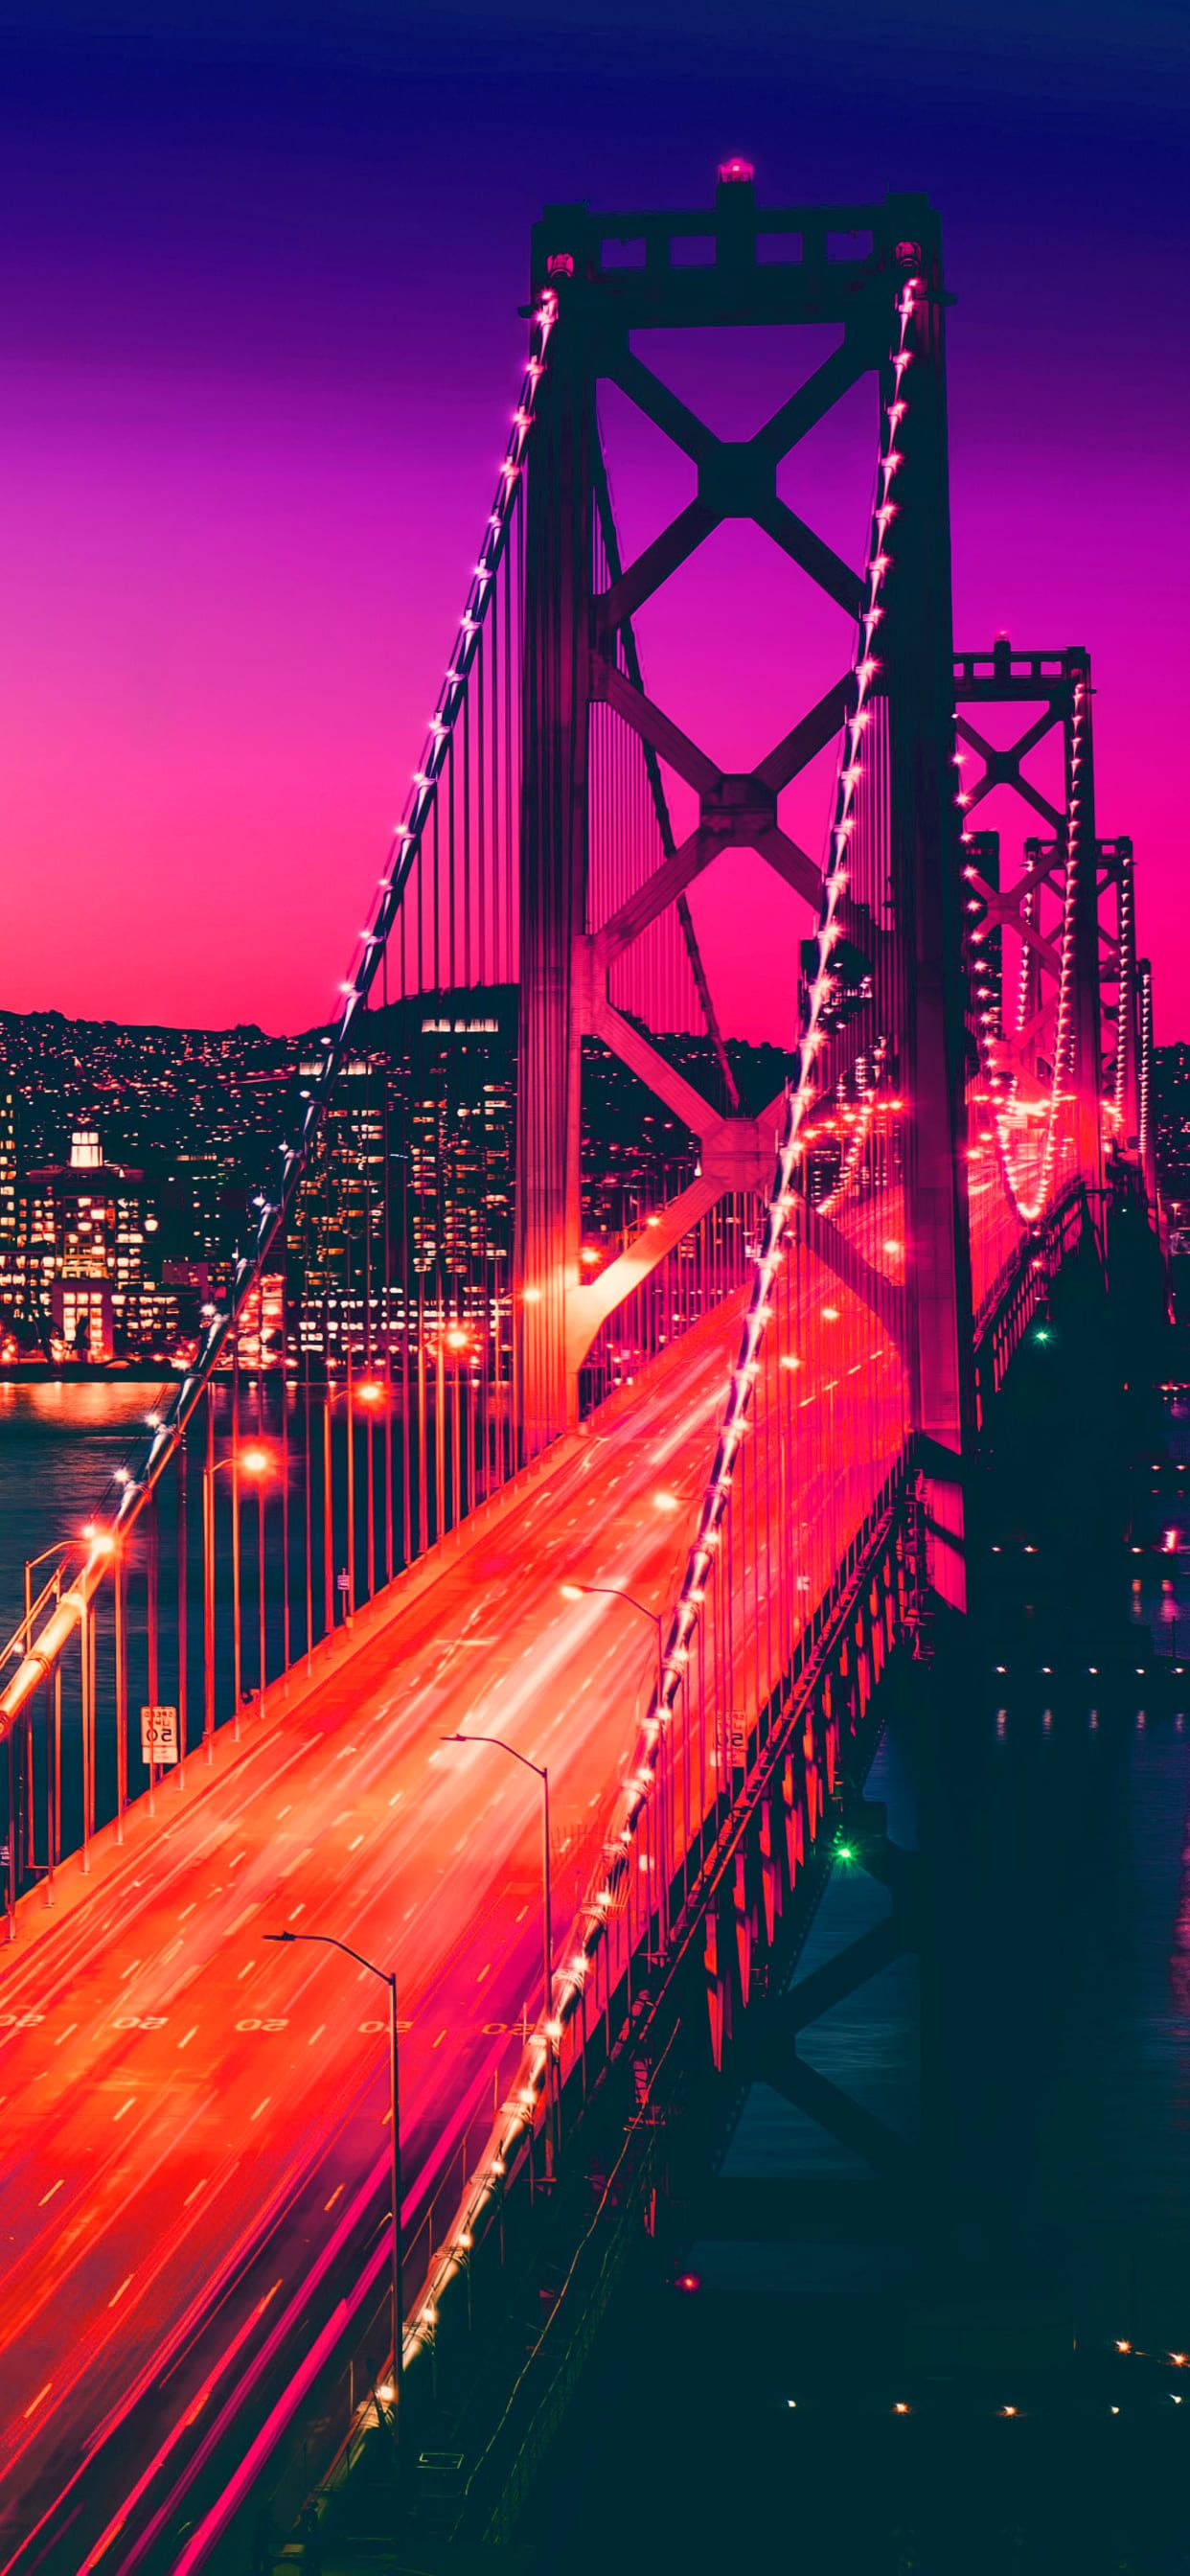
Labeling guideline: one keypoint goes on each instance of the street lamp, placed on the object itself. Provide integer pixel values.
(542, 1771)
(388, 1977)
(371, 1393)
(19, 1645)
(257, 1463)
(616, 1592)
(656, 1618)
(53, 1760)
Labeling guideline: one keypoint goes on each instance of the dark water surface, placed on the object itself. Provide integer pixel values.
(59, 1446)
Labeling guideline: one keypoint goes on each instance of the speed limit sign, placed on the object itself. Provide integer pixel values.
(159, 1736)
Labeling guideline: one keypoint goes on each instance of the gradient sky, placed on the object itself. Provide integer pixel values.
(261, 342)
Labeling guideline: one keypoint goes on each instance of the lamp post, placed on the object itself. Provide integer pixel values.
(258, 1464)
(387, 1977)
(541, 1769)
(61, 1548)
(368, 1392)
(656, 1619)
(615, 1592)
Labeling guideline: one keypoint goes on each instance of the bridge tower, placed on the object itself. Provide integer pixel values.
(1061, 906)
(854, 262)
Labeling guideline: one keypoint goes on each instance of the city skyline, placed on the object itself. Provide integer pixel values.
(130, 1177)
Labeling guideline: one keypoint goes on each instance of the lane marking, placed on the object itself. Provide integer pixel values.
(65, 2034)
(124, 2285)
(185, 2043)
(355, 1847)
(263, 2106)
(31, 2409)
(56, 2186)
(193, 2195)
(329, 2204)
(125, 2106)
(299, 1908)
(317, 2034)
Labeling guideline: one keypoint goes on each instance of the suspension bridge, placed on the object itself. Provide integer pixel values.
(636, 1485)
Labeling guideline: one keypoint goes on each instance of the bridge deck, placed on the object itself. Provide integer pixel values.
(194, 2122)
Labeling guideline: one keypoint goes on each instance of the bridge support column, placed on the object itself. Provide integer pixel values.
(1082, 855)
(918, 654)
(554, 852)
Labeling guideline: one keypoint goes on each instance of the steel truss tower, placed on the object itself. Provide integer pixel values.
(1073, 900)
(836, 265)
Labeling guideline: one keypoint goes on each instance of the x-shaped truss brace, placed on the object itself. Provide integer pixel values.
(737, 810)
(1004, 768)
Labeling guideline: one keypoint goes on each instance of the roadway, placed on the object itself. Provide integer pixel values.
(195, 2122)
(179, 2098)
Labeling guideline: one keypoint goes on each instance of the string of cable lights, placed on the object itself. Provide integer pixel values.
(647, 1772)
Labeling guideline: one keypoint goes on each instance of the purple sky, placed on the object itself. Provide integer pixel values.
(261, 343)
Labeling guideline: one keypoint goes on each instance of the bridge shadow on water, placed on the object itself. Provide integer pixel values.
(943, 2335)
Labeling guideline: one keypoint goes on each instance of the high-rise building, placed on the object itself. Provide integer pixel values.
(81, 1239)
(338, 1231)
(8, 1196)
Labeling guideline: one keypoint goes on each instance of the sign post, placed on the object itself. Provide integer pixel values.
(159, 1737)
